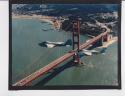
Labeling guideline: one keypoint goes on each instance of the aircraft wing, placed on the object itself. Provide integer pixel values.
(94, 51)
(50, 45)
(87, 53)
(54, 43)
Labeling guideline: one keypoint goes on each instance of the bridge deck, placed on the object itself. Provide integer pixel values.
(56, 62)
(93, 40)
(43, 70)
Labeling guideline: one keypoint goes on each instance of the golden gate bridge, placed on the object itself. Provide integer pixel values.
(76, 48)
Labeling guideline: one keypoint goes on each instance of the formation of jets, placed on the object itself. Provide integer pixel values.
(68, 43)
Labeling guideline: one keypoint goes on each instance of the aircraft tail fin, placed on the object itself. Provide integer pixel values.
(68, 42)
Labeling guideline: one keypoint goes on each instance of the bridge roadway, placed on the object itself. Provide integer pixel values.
(47, 68)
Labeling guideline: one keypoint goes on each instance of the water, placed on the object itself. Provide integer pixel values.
(28, 56)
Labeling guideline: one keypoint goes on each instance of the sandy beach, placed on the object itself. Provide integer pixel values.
(42, 18)
(48, 19)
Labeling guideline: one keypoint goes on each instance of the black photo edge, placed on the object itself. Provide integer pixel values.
(68, 87)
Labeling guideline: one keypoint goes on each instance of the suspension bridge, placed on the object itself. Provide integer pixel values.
(76, 47)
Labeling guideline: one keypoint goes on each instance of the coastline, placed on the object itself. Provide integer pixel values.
(110, 42)
(47, 19)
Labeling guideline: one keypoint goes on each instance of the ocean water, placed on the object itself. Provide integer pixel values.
(28, 56)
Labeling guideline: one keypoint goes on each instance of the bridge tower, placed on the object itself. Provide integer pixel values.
(75, 39)
(105, 38)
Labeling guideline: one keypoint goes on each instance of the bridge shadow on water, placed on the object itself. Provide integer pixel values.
(54, 73)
